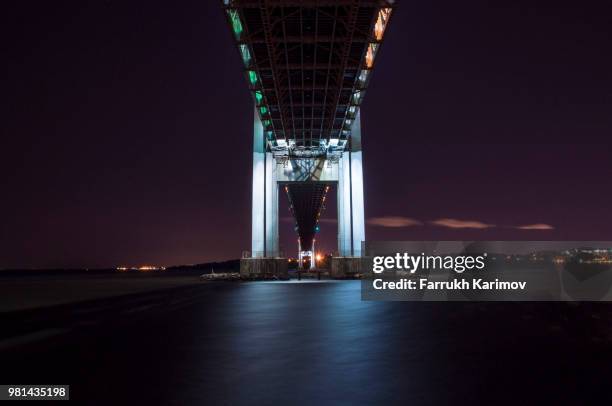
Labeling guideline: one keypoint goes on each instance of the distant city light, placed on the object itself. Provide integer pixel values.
(143, 268)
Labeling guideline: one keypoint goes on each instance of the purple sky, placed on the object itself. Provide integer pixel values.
(126, 130)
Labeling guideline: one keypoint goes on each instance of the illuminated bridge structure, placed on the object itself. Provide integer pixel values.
(307, 64)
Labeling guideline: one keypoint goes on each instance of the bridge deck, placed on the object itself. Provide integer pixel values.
(308, 64)
(307, 202)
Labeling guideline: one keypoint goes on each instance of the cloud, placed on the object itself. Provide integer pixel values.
(394, 221)
(454, 223)
(539, 226)
(400, 222)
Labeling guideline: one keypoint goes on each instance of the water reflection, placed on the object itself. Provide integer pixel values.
(317, 342)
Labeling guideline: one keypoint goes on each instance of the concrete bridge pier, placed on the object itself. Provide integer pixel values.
(351, 218)
(265, 260)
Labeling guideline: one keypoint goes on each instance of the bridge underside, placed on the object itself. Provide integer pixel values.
(307, 201)
(307, 64)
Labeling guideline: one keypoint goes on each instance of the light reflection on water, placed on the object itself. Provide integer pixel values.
(308, 334)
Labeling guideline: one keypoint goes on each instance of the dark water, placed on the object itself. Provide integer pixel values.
(318, 343)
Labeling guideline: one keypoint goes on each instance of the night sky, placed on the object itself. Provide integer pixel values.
(126, 130)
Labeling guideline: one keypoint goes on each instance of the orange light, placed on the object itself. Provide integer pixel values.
(381, 23)
(369, 57)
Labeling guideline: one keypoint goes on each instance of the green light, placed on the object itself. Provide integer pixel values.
(258, 97)
(252, 77)
(246, 55)
(236, 24)
(266, 123)
(263, 110)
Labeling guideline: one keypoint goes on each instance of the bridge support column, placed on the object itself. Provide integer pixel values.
(313, 256)
(264, 261)
(264, 230)
(351, 218)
